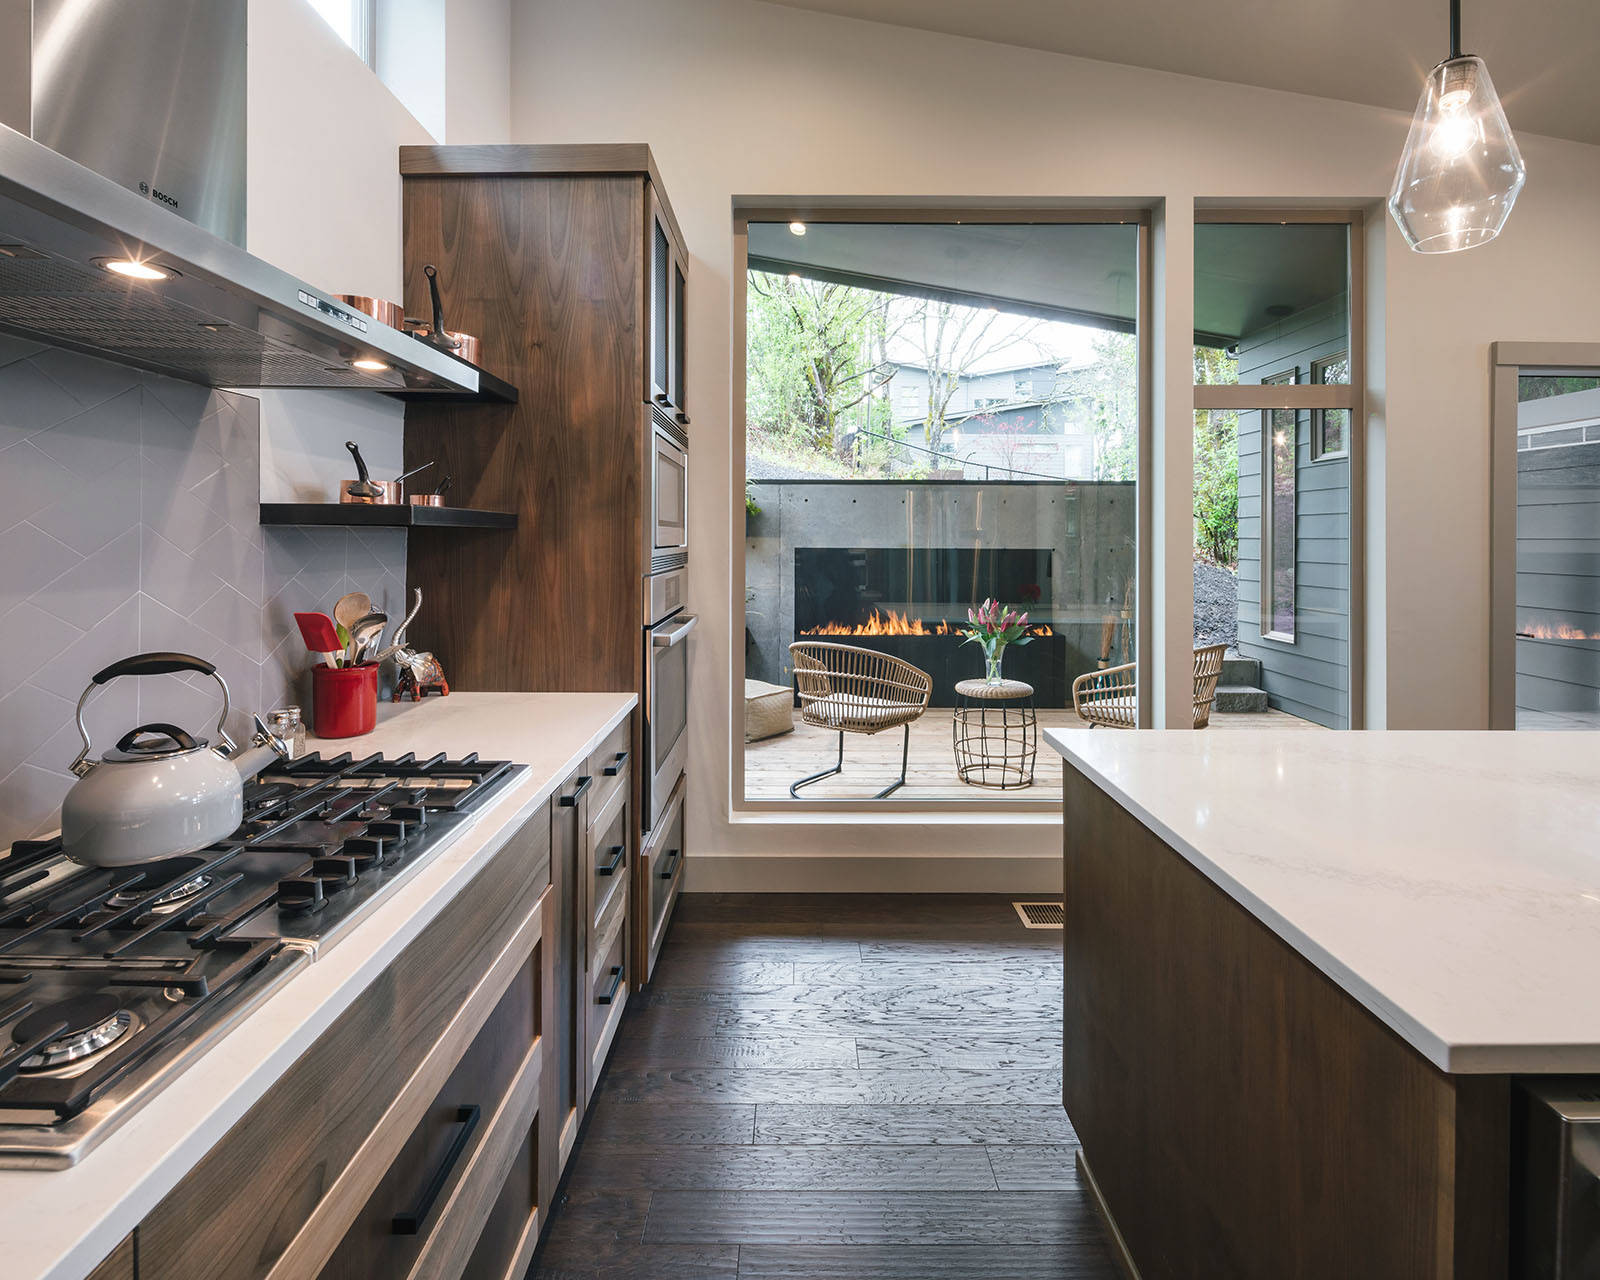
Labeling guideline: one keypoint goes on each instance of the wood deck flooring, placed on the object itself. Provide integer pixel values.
(871, 763)
(834, 1087)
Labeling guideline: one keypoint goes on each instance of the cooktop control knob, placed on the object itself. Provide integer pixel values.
(301, 895)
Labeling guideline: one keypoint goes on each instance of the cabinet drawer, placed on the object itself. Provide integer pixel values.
(609, 765)
(440, 1173)
(662, 881)
(608, 987)
(608, 851)
(505, 1245)
(276, 1195)
(118, 1264)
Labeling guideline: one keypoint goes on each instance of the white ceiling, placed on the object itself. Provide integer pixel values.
(1541, 53)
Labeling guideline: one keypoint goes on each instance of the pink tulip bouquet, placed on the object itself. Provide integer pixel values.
(992, 628)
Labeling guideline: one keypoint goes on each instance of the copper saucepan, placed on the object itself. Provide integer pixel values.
(380, 309)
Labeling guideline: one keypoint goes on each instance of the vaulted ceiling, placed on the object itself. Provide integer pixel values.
(1541, 53)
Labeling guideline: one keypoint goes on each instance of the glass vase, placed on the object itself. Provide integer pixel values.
(991, 667)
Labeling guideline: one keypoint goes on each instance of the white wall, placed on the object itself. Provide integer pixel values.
(323, 204)
(741, 99)
(478, 71)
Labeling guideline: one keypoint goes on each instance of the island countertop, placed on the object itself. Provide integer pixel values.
(59, 1223)
(1447, 881)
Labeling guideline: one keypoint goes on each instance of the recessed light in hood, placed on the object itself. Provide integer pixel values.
(133, 269)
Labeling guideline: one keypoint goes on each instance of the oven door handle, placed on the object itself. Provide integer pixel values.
(661, 638)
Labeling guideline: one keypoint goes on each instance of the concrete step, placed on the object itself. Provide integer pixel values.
(1241, 671)
(1234, 698)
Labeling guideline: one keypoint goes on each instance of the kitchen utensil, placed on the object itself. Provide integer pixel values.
(380, 309)
(160, 792)
(316, 629)
(350, 609)
(407, 475)
(426, 499)
(444, 485)
(468, 343)
(362, 633)
(369, 638)
(362, 488)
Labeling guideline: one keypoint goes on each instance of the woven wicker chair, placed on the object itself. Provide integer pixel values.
(854, 690)
(1107, 697)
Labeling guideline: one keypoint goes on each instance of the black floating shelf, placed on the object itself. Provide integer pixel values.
(391, 515)
(491, 390)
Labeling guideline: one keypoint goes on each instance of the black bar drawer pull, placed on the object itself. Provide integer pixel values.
(617, 851)
(615, 767)
(667, 868)
(584, 783)
(410, 1224)
(611, 991)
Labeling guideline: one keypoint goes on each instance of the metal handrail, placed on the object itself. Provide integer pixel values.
(965, 462)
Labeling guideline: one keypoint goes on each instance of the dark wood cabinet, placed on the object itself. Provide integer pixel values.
(656, 887)
(354, 1132)
(119, 1264)
(564, 1091)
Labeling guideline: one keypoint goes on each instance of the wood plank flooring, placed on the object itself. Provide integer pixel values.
(871, 763)
(834, 1087)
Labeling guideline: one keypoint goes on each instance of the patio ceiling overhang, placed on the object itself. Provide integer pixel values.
(1080, 273)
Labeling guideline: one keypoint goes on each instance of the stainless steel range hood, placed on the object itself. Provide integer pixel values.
(218, 315)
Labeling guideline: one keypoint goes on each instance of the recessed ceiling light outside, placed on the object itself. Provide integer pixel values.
(797, 228)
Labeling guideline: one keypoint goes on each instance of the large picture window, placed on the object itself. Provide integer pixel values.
(936, 414)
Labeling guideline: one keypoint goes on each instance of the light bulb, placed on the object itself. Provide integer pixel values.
(367, 364)
(1461, 171)
(797, 228)
(133, 269)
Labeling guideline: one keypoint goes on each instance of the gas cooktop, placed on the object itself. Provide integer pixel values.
(112, 981)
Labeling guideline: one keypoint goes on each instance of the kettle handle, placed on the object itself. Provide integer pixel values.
(149, 664)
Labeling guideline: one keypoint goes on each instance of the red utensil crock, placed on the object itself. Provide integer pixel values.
(344, 700)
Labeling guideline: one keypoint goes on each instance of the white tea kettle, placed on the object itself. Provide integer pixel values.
(160, 792)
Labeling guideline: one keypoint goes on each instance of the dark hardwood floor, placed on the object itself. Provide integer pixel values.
(840, 1087)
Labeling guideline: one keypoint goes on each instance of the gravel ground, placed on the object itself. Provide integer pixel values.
(1216, 605)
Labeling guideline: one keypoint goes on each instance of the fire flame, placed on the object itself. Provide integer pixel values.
(1561, 631)
(897, 624)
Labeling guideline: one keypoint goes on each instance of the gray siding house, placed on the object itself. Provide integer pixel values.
(1306, 673)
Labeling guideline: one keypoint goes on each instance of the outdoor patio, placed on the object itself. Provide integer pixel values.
(871, 763)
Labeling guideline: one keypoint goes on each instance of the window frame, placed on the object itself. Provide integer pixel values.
(1319, 417)
(1311, 397)
(1289, 377)
(741, 808)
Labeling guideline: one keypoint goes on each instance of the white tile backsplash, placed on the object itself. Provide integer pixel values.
(129, 522)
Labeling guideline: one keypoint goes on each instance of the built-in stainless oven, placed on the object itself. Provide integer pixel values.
(666, 688)
(668, 521)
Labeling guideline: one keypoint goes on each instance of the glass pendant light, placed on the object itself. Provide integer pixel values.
(1461, 171)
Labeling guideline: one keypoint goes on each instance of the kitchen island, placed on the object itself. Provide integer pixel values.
(58, 1224)
(1302, 974)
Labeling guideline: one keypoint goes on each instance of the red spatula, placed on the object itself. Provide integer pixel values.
(316, 629)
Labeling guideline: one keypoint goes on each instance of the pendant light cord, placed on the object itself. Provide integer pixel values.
(1455, 28)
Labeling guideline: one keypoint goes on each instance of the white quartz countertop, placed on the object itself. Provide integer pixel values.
(59, 1224)
(1449, 882)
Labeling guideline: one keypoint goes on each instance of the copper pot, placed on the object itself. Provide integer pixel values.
(380, 309)
(389, 494)
(467, 344)
(427, 499)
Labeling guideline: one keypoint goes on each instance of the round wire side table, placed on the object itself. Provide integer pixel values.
(996, 733)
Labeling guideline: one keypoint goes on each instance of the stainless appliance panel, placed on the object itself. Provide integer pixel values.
(151, 94)
(1556, 1179)
(666, 690)
(669, 493)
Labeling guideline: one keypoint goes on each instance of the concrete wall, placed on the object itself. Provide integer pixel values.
(1087, 528)
(742, 100)
(1309, 676)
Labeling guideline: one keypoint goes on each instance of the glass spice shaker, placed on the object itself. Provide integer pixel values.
(287, 724)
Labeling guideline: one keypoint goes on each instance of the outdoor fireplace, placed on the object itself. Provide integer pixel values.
(913, 602)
